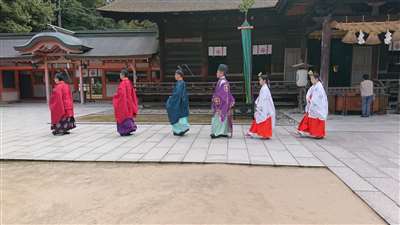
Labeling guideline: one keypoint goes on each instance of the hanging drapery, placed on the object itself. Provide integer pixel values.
(247, 61)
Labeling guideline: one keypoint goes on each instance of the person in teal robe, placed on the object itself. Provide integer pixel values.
(178, 106)
(222, 104)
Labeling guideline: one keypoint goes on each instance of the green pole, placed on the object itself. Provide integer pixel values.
(247, 54)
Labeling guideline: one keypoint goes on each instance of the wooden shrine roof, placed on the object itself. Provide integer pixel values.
(161, 6)
(102, 44)
(67, 40)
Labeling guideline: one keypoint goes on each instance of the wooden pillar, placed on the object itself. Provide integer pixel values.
(81, 92)
(326, 50)
(32, 83)
(303, 46)
(16, 82)
(204, 42)
(47, 81)
(1, 85)
(304, 59)
(375, 62)
(103, 84)
(132, 65)
(161, 42)
(149, 75)
(398, 98)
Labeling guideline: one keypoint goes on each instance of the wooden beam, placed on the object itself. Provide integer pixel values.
(19, 67)
(325, 51)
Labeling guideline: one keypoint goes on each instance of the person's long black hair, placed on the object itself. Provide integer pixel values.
(265, 77)
(63, 76)
(317, 77)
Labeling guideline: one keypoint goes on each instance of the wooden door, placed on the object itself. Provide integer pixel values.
(362, 59)
(292, 57)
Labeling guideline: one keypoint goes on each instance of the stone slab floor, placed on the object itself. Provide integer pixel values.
(363, 153)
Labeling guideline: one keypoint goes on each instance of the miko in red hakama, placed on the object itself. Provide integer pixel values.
(314, 127)
(61, 109)
(313, 122)
(125, 107)
(264, 117)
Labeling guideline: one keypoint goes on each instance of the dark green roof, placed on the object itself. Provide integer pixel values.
(65, 39)
(111, 43)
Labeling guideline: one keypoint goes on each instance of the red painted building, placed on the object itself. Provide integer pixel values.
(28, 62)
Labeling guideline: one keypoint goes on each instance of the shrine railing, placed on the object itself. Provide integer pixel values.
(392, 88)
(284, 92)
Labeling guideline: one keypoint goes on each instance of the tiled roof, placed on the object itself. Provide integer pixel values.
(158, 6)
(112, 44)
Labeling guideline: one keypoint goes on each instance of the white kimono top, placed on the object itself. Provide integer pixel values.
(317, 102)
(264, 106)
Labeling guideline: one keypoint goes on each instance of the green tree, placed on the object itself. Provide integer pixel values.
(82, 15)
(134, 24)
(21, 16)
(79, 16)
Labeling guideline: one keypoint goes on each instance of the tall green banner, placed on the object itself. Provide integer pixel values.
(247, 48)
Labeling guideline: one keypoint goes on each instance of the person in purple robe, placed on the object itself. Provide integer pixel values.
(222, 105)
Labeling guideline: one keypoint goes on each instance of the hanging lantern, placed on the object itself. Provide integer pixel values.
(388, 37)
(360, 38)
(373, 39)
(396, 36)
(350, 37)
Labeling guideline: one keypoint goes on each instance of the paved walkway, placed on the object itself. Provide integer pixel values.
(363, 153)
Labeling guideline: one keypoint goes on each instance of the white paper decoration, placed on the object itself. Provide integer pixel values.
(360, 38)
(388, 37)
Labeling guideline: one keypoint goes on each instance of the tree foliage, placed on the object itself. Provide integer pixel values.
(21, 16)
(82, 15)
(25, 16)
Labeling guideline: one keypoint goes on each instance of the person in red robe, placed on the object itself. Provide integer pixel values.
(61, 106)
(125, 105)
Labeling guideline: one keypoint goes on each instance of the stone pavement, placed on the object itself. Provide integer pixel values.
(363, 153)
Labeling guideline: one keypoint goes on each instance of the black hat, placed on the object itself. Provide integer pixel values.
(223, 68)
(180, 72)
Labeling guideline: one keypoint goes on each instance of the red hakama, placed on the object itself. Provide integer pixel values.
(125, 107)
(61, 109)
(263, 129)
(313, 126)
